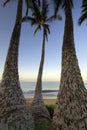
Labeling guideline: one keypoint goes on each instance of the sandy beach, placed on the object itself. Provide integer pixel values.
(46, 101)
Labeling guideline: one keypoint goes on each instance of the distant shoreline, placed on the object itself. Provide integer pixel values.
(47, 94)
(46, 101)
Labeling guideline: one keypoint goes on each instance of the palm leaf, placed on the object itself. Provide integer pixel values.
(82, 18)
(84, 12)
(29, 19)
(38, 2)
(84, 2)
(71, 2)
(46, 26)
(35, 7)
(38, 28)
(54, 17)
(40, 16)
(28, 5)
(60, 3)
(6, 2)
(26, 1)
(45, 34)
(45, 8)
(57, 4)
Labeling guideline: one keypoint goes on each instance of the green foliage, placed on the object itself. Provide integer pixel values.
(83, 12)
(60, 3)
(6, 2)
(50, 108)
(40, 16)
(43, 124)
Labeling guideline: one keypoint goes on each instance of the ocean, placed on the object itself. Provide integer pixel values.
(50, 89)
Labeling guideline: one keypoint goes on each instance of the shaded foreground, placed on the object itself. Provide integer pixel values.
(43, 123)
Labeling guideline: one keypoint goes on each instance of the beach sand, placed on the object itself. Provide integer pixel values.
(46, 101)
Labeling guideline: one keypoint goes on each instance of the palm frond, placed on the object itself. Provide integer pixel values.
(28, 5)
(38, 28)
(84, 7)
(26, 1)
(57, 4)
(84, 2)
(28, 19)
(46, 26)
(45, 34)
(35, 7)
(38, 2)
(82, 18)
(45, 8)
(40, 16)
(71, 4)
(6, 2)
(54, 17)
(83, 12)
(48, 30)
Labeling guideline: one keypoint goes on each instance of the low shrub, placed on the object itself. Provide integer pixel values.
(50, 108)
(43, 124)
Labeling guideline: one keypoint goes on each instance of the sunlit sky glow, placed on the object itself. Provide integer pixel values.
(30, 45)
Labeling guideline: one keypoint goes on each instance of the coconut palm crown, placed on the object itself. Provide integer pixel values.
(40, 18)
(71, 105)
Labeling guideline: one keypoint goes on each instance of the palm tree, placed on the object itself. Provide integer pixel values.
(14, 113)
(41, 20)
(84, 12)
(71, 105)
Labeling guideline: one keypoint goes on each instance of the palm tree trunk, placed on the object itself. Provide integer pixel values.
(38, 90)
(38, 108)
(13, 108)
(71, 107)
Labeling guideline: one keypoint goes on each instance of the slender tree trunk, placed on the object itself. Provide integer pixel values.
(38, 108)
(14, 112)
(71, 106)
(38, 98)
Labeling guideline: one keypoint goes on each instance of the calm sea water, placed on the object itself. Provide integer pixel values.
(50, 89)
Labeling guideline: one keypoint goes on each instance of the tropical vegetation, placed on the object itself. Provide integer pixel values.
(50, 108)
(83, 12)
(40, 19)
(43, 124)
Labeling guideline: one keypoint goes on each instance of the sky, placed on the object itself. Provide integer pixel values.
(30, 45)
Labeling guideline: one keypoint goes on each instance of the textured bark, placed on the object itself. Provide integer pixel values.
(71, 106)
(14, 113)
(37, 107)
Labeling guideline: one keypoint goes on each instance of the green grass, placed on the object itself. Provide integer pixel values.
(43, 124)
(50, 108)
